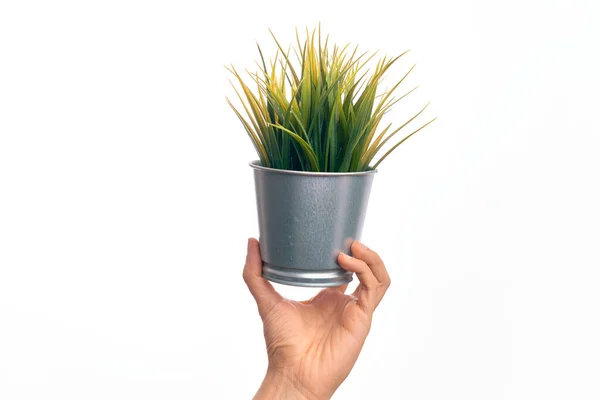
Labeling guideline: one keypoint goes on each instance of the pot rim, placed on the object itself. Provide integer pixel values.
(256, 165)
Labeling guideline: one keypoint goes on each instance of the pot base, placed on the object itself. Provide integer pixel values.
(306, 278)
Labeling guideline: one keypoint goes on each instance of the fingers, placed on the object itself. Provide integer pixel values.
(367, 295)
(373, 260)
(262, 290)
(376, 265)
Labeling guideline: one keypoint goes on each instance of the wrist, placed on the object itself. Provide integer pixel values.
(278, 385)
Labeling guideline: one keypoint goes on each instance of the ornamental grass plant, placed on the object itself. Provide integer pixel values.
(317, 107)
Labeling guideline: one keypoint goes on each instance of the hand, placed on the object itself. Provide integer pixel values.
(312, 345)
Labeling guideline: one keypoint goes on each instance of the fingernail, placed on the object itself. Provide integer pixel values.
(249, 245)
(363, 246)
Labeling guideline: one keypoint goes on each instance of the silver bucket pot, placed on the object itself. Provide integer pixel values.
(306, 219)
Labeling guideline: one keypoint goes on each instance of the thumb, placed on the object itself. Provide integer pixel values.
(261, 289)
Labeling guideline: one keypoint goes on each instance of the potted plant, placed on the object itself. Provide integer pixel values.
(315, 123)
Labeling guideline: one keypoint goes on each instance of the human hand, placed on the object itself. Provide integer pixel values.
(312, 345)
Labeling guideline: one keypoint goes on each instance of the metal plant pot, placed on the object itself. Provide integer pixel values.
(306, 219)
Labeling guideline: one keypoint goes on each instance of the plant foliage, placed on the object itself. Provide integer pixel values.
(322, 113)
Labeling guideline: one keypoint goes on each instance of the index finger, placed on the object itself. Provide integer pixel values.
(362, 252)
(263, 292)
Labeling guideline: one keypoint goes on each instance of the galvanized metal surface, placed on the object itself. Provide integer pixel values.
(305, 219)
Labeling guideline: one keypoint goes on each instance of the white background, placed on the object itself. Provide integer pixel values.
(126, 200)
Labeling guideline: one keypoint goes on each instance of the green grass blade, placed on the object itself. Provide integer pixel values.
(312, 158)
(399, 143)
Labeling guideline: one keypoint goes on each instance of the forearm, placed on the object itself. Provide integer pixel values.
(277, 386)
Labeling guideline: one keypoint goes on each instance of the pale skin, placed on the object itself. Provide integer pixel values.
(312, 345)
